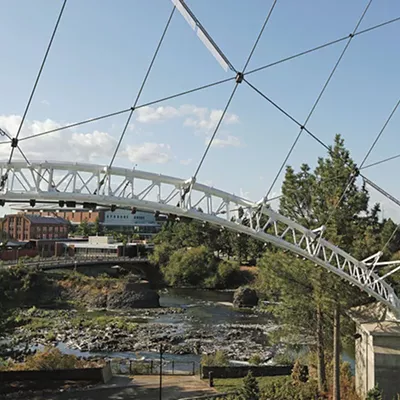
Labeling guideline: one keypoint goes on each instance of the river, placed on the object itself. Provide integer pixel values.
(204, 309)
(208, 318)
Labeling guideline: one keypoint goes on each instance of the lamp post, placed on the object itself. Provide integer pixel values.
(161, 353)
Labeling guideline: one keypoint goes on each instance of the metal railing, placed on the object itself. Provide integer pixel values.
(152, 367)
(60, 262)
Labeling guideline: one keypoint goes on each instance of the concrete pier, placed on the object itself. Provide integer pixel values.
(377, 350)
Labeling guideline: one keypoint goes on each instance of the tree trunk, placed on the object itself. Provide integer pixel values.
(320, 351)
(336, 352)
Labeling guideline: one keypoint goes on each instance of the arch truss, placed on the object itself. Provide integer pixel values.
(97, 185)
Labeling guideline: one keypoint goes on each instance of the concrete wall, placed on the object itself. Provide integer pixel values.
(107, 373)
(78, 374)
(377, 363)
(364, 363)
(387, 365)
(242, 371)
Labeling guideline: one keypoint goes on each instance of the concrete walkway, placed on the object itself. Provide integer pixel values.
(140, 387)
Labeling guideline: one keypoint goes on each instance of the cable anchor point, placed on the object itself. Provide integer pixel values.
(14, 142)
(239, 77)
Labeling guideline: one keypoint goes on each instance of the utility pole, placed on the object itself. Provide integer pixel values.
(336, 351)
(161, 353)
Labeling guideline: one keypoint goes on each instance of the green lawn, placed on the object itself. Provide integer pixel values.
(231, 384)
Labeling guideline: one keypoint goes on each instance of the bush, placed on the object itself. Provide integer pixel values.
(50, 337)
(299, 373)
(250, 389)
(255, 359)
(374, 394)
(48, 359)
(190, 267)
(285, 391)
(228, 275)
(217, 359)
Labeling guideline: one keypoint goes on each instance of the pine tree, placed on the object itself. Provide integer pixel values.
(314, 199)
(250, 389)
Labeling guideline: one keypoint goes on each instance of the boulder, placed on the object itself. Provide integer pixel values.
(133, 296)
(245, 297)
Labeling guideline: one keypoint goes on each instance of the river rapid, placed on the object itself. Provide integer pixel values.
(189, 323)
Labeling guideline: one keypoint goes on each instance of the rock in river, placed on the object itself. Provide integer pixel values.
(133, 295)
(245, 297)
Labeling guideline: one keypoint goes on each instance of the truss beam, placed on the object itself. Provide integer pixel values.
(201, 202)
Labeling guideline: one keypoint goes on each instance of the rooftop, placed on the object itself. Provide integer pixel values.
(37, 219)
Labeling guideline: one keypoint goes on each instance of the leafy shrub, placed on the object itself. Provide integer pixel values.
(190, 267)
(228, 274)
(217, 359)
(374, 394)
(250, 389)
(255, 359)
(48, 359)
(299, 373)
(283, 359)
(287, 390)
(51, 336)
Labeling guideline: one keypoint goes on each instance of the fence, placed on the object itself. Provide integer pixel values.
(242, 371)
(152, 367)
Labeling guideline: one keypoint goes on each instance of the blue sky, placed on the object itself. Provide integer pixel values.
(101, 53)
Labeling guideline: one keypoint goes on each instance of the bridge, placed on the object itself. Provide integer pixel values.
(74, 262)
(104, 184)
(68, 183)
(72, 183)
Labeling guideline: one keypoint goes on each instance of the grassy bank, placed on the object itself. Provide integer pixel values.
(264, 383)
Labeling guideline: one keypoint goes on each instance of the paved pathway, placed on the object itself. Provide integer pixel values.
(140, 387)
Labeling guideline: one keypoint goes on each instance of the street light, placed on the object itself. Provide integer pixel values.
(161, 358)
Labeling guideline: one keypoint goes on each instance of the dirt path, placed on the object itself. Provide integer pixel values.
(141, 387)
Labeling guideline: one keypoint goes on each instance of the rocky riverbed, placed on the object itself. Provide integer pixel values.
(97, 332)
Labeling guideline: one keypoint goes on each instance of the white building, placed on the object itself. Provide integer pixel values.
(141, 222)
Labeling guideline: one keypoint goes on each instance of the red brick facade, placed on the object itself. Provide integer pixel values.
(74, 216)
(24, 227)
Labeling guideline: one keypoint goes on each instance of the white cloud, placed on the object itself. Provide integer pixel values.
(158, 153)
(227, 141)
(95, 145)
(186, 162)
(210, 121)
(69, 145)
(200, 118)
(151, 114)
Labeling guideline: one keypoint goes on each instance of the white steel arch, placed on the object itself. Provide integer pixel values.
(45, 181)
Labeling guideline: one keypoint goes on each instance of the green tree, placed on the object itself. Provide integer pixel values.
(217, 359)
(98, 227)
(190, 267)
(85, 229)
(228, 274)
(312, 199)
(250, 389)
(390, 238)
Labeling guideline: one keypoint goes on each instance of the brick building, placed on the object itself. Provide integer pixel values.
(26, 227)
(75, 216)
(143, 223)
